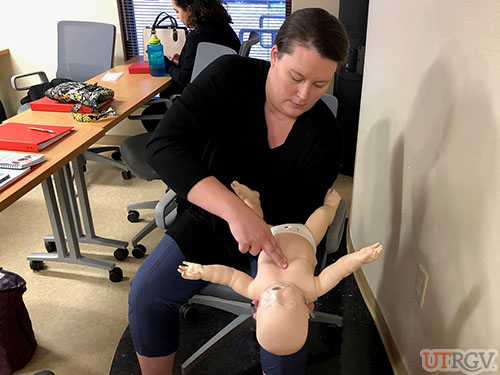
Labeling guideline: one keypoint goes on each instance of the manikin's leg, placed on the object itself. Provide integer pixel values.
(322, 217)
(250, 197)
(156, 295)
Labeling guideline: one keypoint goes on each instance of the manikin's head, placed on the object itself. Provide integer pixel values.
(282, 319)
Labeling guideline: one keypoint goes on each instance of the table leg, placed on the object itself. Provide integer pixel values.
(68, 235)
(90, 236)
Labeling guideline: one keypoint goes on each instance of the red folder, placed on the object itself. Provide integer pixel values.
(47, 104)
(19, 137)
(139, 68)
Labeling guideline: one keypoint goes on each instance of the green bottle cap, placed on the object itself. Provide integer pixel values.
(154, 39)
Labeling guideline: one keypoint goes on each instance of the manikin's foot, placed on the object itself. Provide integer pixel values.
(190, 271)
(332, 198)
(370, 253)
(250, 197)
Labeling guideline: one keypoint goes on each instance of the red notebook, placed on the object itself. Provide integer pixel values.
(47, 104)
(28, 137)
(139, 68)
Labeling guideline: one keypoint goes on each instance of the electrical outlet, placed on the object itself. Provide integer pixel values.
(421, 285)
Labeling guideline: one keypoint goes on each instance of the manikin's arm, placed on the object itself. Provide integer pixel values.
(323, 216)
(239, 281)
(343, 267)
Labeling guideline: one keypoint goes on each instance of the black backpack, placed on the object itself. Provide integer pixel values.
(17, 339)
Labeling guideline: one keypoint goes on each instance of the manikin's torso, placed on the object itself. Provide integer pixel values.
(301, 258)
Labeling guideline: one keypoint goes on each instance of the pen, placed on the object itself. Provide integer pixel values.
(41, 130)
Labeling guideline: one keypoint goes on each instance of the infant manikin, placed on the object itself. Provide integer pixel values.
(283, 294)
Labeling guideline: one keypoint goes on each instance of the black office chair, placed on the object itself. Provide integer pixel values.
(245, 47)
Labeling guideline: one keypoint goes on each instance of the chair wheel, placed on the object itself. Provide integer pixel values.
(116, 155)
(50, 246)
(36, 265)
(116, 274)
(188, 312)
(120, 254)
(127, 175)
(138, 251)
(133, 216)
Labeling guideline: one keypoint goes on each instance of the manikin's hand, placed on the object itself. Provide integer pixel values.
(253, 235)
(370, 253)
(190, 271)
(332, 198)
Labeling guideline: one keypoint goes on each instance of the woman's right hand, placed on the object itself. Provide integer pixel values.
(250, 231)
(253, 235)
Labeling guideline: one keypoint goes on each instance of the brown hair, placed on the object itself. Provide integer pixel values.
(313, 27)
(201, 11)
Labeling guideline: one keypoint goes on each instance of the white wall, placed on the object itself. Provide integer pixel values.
(29, 30)
(427, 172)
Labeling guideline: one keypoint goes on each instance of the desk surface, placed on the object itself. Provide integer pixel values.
(4, 51)
(57, 155)
(131, 92)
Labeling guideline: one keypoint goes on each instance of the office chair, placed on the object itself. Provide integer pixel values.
(224, 298)
(245, 47)
(84, 50)
(133, 152)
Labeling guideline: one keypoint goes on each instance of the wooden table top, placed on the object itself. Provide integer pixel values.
(58, 154)
(131, 92)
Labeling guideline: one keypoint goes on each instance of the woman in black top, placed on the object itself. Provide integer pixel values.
(256, 122)
(209, 22)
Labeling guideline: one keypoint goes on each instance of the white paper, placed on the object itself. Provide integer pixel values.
(111, 76)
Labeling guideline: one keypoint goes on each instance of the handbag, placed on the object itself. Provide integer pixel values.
(172, 36)
(81, 93)
(17, 339)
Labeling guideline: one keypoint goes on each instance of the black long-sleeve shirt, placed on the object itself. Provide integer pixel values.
(213, 32)
(218, 128)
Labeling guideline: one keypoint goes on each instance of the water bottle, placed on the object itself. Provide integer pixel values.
(155, 57)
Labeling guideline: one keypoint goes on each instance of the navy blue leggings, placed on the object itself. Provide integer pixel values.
(156, 294)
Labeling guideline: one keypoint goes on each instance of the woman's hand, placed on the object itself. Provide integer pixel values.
(175, 58)
(253, 235)
(250, 231)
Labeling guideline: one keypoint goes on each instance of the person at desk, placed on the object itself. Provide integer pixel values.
(257, 122)
(209, 22)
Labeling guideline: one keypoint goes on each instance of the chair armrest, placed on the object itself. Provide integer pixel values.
(167, 102)
(13, 79)
(166, 209)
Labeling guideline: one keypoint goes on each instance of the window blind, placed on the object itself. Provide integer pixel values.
(264, 16)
